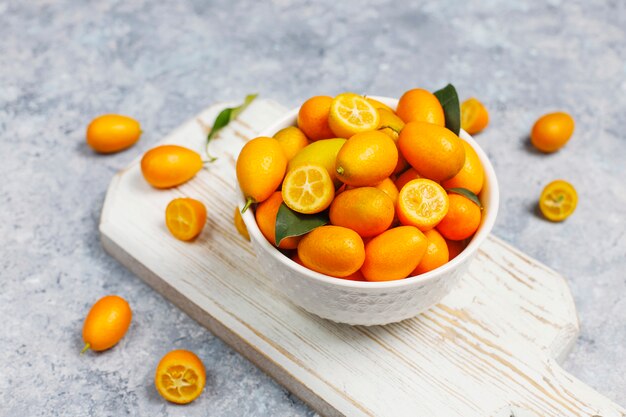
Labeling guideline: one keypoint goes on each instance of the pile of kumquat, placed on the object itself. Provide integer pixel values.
(390, 188)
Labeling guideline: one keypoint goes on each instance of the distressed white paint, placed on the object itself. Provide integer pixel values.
(489, 349)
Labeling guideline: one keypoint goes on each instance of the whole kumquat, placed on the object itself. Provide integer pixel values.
(332, 250)
(366, 210)
(112, 133)
(265, 215)
(168, 166)
(393, 254)
(106, 323)
(437, 253)
(366, 159)
(434, 151)
(419, 105)
(406, 176)
(471, 176)
(313, 118)
(461, 220)
(322, 152)
(552, 131)
(261, 166)
(292, 140)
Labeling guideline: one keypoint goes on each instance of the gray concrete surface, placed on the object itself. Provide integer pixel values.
(64, 62)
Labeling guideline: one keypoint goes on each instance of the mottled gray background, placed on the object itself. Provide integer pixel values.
(64, 62)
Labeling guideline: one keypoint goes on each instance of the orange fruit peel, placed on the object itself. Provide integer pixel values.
(558, 200)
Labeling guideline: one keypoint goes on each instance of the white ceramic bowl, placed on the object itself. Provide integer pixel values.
(369, 303)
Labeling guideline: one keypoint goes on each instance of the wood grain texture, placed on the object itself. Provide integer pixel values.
(491, 348)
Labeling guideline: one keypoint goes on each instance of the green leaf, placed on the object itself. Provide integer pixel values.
(466, 193)
(449, 100)
(246, 102)
(291, 223)
(221, 121)
(225, 117)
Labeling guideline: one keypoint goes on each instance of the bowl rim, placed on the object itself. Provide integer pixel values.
(483, 231)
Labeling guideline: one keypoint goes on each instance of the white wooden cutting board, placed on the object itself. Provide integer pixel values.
(491, 348)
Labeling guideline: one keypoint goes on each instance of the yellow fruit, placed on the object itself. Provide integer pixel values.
(474, 116)
(332, 250)
(558, 200)
(436, 253)
(180, 376)
(167, 166)
(240, 225)
(351, 114)
(308, 189)
(265, 215)
(471, 176)
(393, 254)
(366, 210)
(390, 124)
(112, 133)
(322, 152)
(434, 151)
(185, 218)
(552, 131)
(366, 159)
(292, 140)
(378, 104)
(419, 105)
(422, 203)
(313, 118)
(261, 167)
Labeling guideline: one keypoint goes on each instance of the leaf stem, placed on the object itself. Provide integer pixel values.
(86, 348)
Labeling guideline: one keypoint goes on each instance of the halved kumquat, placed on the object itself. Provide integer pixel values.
(558, 200)
(185, 218)
(351, 114)
(308, 189)
(422, 203)
(180, 376)
(474, 116)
